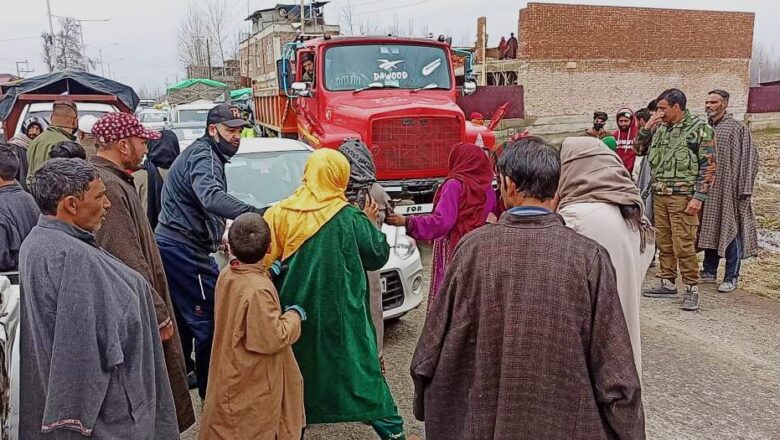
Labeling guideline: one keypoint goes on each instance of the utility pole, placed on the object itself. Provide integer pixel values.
(303, 13)
(53, 45)
(208, 54)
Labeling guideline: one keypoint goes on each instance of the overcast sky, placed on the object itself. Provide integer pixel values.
(145, 30)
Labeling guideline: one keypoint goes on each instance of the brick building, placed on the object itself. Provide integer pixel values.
(574, 59)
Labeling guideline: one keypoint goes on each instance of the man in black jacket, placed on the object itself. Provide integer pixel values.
(195, 204)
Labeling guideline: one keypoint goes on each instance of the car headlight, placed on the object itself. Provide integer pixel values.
(404, 247)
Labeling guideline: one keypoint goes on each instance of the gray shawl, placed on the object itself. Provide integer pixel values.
(91, 359)
(362, 171)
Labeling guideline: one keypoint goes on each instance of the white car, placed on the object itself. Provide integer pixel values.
(42, 111)
(154, 119)
(267, 170)
(9, 340)
(188, 132)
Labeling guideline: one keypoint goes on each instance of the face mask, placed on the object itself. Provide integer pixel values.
(225, 147)
(598, 126)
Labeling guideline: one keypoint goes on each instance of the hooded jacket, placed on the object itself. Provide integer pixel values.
(625, 142)
(195, 201)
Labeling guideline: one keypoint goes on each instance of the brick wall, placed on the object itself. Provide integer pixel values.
(585, 32)
(565, 88)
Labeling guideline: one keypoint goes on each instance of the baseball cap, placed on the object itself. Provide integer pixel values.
(115, 126)
(226, 114)
(86, 123)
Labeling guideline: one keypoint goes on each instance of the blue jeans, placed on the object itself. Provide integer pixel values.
(733, 260)
(192, 276)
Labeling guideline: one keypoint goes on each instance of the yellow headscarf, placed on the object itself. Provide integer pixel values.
(319, 198)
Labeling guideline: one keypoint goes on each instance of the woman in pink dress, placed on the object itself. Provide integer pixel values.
(461, 205)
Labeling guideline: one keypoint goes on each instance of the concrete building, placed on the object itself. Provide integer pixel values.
(272, 28)
(575, 59)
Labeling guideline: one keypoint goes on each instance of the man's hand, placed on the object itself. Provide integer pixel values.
(694, 207)
(491, 218)
(395, 219)
(166, 332)
(371, 209)
(654, 120)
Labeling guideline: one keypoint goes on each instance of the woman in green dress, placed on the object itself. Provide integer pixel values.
(327, 245)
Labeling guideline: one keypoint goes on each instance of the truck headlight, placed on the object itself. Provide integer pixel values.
(404, 247)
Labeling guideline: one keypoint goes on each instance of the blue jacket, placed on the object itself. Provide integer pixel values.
(195, 202)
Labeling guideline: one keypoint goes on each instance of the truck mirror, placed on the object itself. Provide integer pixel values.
(284, 74)
(300, 88)
(469, 87)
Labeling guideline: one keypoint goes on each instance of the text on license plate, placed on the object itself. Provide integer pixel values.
(424, 208)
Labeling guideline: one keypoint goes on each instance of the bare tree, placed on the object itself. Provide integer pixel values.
(218, 21)
(191, 38)
(63, 50)
(764, 65)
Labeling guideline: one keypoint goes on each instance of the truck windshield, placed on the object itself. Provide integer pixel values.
(387, 65)
(193, 115)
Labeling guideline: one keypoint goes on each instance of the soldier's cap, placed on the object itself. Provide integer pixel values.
(226, 114)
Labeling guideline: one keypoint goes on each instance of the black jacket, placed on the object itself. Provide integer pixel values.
(195, 202)
(18, 215)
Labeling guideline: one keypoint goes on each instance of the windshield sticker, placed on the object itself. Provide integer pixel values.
(384, 76)
(389, 65)
(430, 68)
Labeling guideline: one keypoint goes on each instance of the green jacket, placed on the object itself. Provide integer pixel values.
(40, 147)
(682, 156)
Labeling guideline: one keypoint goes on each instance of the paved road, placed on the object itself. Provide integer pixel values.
(713, 374)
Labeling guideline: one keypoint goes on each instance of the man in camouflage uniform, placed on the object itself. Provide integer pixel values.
(682, 163)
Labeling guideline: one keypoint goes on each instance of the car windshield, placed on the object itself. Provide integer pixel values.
(153, 117)
(263, 179)
(193, 115)
(389, 65)
(184, 134)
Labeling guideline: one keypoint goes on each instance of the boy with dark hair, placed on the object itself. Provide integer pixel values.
(255, 385)
(68, 150)
(18, 211)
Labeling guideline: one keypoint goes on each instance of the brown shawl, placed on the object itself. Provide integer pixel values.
(590, 173)
(127, 235)
(536, 348)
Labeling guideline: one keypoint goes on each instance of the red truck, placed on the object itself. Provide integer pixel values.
(398, 95)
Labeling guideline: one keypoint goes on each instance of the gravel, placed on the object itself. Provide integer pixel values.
(711, 374)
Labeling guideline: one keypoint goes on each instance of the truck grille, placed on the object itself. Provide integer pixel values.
(414, 146)
(394, 295)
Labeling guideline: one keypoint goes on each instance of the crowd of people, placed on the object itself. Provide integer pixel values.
(532, 326)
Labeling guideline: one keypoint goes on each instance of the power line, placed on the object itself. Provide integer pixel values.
(20, 38)
(393, 7)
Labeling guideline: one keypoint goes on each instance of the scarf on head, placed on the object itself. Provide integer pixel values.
(592, 173)
(362, 171)
(319, 198)
(162, 153)
(471, 166)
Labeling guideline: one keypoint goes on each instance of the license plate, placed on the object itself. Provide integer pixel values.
(383, 284)
(414, 209)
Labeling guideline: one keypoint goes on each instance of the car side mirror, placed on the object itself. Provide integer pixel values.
(301, 89)
(469, 87)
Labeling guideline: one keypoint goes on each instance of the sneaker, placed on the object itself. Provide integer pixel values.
(664, 289)
(707, 278)
(728, 286)
(691, 298)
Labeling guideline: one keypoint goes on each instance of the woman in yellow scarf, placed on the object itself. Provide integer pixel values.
(327, 246)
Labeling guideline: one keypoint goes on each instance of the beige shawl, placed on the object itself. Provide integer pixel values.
(591, 172)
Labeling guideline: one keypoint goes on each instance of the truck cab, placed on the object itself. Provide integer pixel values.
(397, 95)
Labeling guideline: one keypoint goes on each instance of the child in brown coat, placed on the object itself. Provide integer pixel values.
(255, 386)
